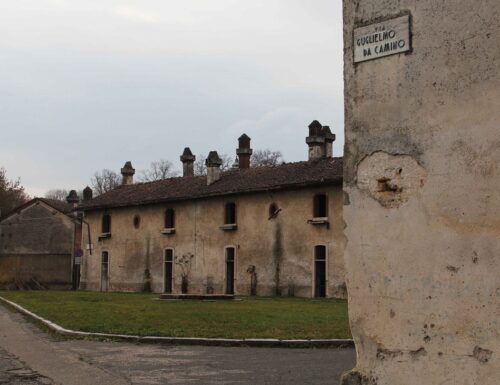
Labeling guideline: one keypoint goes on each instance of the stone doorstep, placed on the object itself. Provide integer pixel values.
(250, 342)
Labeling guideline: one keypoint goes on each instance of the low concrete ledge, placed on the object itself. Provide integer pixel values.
(199, 297)
(250, 342)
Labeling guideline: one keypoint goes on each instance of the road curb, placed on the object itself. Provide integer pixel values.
(249, 342)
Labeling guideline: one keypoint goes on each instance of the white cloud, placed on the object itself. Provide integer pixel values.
(136, 14)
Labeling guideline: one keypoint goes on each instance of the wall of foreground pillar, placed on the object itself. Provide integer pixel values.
(422, 195)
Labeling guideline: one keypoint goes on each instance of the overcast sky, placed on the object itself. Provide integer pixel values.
(90, 84)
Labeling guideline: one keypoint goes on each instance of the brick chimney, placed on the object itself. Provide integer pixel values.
(128, 173)
(72, 198)
(213, 164)
(316, 141)
(187, 159)
(244, 151)
(87, 194)
(329, 139)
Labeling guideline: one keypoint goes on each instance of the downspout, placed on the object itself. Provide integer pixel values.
(88, 233)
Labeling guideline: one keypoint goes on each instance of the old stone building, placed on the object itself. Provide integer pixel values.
(40, 245)
(422, 182)
(264, 230)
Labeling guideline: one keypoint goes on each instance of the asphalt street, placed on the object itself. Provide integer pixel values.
(30, 356)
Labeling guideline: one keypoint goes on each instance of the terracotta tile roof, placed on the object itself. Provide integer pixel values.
(288, 175)
(61, 206)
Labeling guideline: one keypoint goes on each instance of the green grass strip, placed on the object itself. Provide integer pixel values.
(145, 315)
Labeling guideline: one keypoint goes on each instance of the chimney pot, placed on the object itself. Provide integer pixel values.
(187, 159)
(316, 141)
(329, 139)
(72, 198)
(87, 194)
(128, 173)
(213, 163)
(315, 128)
(244, 151)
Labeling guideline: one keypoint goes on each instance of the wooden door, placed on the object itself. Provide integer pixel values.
(169, 270)
(105, 271)
(320, 271)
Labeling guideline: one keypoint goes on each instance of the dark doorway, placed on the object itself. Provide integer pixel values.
(104, 271)
(230, 254)
(320, 271)
(169, 270)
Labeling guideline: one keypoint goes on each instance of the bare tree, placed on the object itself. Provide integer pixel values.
(105, 181)
(57, 194)
(201, 169)
(266, 157)
(199, 165)
(159, 170)
(61, 194)
(12, 194)
(227, 162)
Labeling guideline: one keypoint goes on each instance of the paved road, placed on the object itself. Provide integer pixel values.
(15, 372)
(28, 354)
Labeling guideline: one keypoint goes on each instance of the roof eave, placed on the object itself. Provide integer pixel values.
(335, 181)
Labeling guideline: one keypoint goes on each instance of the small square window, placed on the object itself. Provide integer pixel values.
(230, 213)
(106, 223)
(320, 206)
(170, 219)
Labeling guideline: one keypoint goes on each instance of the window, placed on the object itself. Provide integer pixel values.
(230, 213)
(320, 206)
(137, 221)
(170, 219)
(106, 223)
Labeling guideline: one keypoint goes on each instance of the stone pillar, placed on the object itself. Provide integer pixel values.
(316, 141)
(128, 173)
(187, 159)
(244, 151)
(213, 164)
(421, 187)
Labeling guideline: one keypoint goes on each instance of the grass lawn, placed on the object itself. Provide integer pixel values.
(143, 314)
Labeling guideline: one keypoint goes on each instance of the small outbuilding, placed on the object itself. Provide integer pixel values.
(40, 245)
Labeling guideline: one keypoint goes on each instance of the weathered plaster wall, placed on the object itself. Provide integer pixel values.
(285, 243)
(422, 202)
(36, 243)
